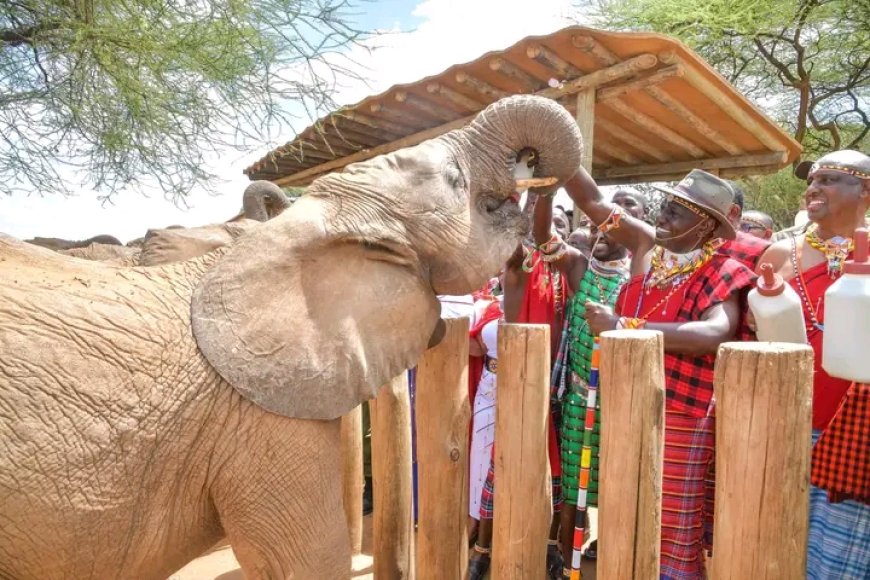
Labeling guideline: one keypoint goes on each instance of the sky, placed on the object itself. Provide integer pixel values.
(425, 38)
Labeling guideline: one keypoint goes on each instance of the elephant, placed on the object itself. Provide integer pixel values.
(262, 200)
(119, 255)
(148, 412)
(57, 244)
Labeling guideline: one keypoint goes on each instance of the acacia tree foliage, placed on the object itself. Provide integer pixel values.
(120, 92)
(807, 62)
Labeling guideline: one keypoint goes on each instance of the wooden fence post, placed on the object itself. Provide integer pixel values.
(632, 452)
(763, 423)
(352, 472)
(443, 414)
(391, 476)
(523, 496)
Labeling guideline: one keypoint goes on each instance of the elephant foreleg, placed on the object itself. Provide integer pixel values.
(279, 500)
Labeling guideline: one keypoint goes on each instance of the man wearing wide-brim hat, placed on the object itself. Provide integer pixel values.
(678, 277)
(837, 199)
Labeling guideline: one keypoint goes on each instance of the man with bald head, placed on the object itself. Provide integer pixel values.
(837, 199)
(756, 223)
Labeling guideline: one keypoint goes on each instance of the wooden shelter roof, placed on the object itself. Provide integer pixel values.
(660, 111)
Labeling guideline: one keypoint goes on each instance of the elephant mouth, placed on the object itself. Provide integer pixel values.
(504, 213)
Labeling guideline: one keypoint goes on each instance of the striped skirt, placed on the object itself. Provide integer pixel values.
(689, 449)
(839, 538)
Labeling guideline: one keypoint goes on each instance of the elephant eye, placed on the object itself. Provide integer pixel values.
(454, 176)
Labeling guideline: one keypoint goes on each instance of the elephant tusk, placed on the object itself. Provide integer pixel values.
(535, 182)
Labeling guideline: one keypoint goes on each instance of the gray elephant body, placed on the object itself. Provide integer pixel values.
(137, 456)
(146, 412)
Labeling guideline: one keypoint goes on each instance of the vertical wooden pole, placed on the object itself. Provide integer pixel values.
(391, 475)
(632, 452)
(763, 423)
(443, 413)
(585, 117)
(523, 504)
(352, 472)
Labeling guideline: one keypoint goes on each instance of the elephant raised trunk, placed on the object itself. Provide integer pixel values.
(263, 200)
(512, 125)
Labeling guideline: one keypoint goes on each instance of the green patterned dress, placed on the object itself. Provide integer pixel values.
(602, 288)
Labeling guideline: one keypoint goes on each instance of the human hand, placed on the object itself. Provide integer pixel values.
(600, 317)
(750, 320)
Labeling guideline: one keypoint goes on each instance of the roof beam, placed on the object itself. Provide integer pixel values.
(345, 124)
(592, 80)
(373, 122)
(724, 102)
(508, 69)
(616, 72)
(616, 152)
(737, 161)
(656, 128)
(640, 83)
(627, 138)
(424, 106)
(395, 115)
(454, 97)
(482, 87)
(591, 46)
(543, 55)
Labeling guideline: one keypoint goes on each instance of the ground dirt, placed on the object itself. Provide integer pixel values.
(220, 563)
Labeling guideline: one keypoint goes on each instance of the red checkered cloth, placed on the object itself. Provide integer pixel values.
(688, 378)
(841, 457)
(688, 454)
(745, 249)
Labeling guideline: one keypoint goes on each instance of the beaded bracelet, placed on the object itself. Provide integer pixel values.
(625, 323)
(612, 221)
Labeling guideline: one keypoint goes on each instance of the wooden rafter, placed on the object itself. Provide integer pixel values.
(592, 80)
(483, 88)
(505, 67)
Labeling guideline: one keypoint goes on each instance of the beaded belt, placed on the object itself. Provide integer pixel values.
(491, 364)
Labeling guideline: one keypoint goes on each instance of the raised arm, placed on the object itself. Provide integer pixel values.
(572, 263)
(637, 236)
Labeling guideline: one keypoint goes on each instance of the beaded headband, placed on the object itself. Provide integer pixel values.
(754, 222)
(842, 168)
(689, 206)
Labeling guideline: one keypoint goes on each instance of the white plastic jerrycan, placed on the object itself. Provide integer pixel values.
(779, 316)
(846, 341)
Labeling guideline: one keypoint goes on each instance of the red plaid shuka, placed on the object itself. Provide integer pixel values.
(688, 378)
(745, 249)
(841, 456)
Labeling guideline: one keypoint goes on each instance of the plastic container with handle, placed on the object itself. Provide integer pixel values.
(779, 316)
(846, 342)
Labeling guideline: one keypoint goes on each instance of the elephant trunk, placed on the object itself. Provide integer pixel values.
(523, 122)
(263, 200)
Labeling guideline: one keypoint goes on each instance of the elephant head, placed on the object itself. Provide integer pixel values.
(263, 200)
(310, 313)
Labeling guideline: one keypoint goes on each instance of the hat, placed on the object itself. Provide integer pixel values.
(709, 193)
(846, 160)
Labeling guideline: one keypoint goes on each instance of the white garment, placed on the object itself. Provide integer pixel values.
(457, 306)
(483, 424)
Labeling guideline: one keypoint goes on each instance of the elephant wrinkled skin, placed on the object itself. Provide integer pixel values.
(147, 412)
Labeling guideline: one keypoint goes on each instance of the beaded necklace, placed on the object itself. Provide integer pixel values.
(835, 249)
(677, 280)
(802, 288)
(661, 272)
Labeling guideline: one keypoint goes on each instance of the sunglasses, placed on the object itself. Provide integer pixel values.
(747, 227)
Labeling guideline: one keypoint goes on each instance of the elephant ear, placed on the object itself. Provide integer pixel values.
(309, 325)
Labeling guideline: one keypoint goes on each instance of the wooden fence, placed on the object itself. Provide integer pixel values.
(763, 394)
